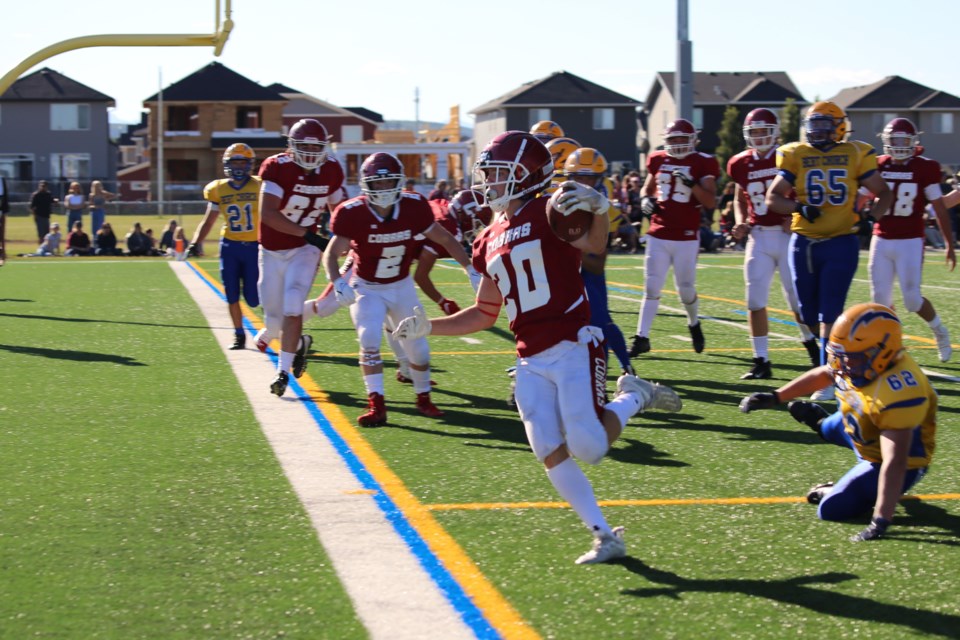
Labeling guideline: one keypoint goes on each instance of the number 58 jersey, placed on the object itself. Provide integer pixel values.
(240, 209)
(538, 275)
(303, 195)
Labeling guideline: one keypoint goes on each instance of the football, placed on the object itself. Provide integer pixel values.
(568, 225)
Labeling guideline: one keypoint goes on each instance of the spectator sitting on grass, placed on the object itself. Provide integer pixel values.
(107, 241)
(51, 242)
(138, 244)
(78, 242)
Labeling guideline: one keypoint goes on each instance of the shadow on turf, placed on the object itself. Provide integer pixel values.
(31, 316)
(799, 591)
(77, 356)
(926, 514)
(14, 300)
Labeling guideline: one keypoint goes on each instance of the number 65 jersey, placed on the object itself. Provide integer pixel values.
(303, 196)
(538, 275)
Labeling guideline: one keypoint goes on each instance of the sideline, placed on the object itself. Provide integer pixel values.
(404, 575)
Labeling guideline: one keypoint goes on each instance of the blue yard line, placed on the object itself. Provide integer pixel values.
(454, 593)
(789, 323)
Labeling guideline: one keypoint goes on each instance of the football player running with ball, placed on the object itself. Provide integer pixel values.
(768, 244)
(381, 227)
(681, 182)
(887, 415)
(298, 185)
(561, 368)
(896, 248)
(818, 182)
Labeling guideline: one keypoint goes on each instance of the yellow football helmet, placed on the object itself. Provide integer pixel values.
(238, 151)
(865, 341)
(560, 149)
(825, 124)
(585, 161)
(546, 130)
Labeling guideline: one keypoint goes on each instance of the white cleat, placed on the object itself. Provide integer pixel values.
(606, 547)
(653, 395)
(824, 395)
(944, 348)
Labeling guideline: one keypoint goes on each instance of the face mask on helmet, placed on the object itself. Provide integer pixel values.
(761, 136)
(680, 145)
(308, 155)
(238, 162)
(514, 165)
(820, 130)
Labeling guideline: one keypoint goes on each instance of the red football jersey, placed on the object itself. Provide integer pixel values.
(754, 174)
(538, 275)
(679, 215)
(444, 217)
(912, 182)
(305, 196)
(384, 248)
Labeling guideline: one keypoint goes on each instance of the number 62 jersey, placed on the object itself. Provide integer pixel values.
(303, 196)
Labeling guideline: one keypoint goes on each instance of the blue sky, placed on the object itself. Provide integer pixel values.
(375, 53)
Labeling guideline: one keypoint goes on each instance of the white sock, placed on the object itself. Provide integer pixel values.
(572, 485)
(286, 361)
(374, 383)
(693, 311)
(648, 311)
(935, 323)
(625, 406)
(760, 347)
(805, 332)
(421, 380)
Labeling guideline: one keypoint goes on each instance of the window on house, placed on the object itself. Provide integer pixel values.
(942, 123)
(182, 119)
(249, 117)
(880, 120)
(183, 170)
(351, 133)
(129, 155)
(698, 118)
(16, 166)
(69, 117)
(603, 119)
(536, 115)
(73, 166)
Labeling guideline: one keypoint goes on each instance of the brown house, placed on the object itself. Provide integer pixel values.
(344, 124)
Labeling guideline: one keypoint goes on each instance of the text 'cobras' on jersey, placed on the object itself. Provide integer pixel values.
(508, 236)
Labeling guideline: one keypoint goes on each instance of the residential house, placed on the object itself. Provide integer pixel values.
(935, 113)
(713, 92)
(591, 114)
(203, 114)
(350, 124)
(54, 128)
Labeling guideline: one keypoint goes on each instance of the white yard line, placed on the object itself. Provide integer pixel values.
(394, 596)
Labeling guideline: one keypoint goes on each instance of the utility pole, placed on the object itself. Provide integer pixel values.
(683, 79)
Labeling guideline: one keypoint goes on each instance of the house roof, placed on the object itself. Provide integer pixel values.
(560, 88)
(732, 87)
(47, 85)
(896, 94)
(363, 112)
(217, 83)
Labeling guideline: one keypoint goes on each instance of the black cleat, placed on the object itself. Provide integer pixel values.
(640, 344)
(819, 492)
(239, 342)
(761, 370)
(300, 359)
(813, 350)
(279, 384)
(808, 413)
(697, 334)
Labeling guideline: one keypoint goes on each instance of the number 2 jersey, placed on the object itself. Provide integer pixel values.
(900, 398)
(240, 208)
(538, 275)
(384, 247)
(754, 173)
(680, 211)
(828, 180)
(914, 182)
(303, 196)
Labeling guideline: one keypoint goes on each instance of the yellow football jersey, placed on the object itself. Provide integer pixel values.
(828, 180)
(240, 208)
(901, 398)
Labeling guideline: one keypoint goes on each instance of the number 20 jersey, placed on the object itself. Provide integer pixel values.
(828, 180)
(303, 196)
(239, 208)
(538, 275)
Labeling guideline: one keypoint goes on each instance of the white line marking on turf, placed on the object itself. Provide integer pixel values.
(940, 376)
(392, 593)
(470, 340)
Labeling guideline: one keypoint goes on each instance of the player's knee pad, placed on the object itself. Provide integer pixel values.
(588, 441)
(912, 299)
(418, 351)
(688, 293)
(370, 358)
